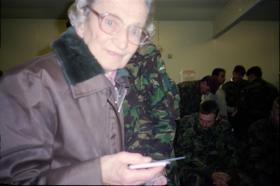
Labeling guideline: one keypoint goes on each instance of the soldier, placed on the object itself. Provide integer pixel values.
(220, 75)
(207, 144)
(263, 160)
(238, 73)
(233, 88)
(151, 106)
(232, 91)
(191, 93)
(255, 101)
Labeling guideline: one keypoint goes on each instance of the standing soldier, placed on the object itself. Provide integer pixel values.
(191, 93)
(255, 102)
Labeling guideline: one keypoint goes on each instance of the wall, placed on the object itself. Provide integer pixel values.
(248, 43)
(189, 42)
(22, 39)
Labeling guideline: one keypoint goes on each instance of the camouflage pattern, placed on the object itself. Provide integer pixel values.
(206, 151)
(190, 97)
(151, 106)
(263, 160)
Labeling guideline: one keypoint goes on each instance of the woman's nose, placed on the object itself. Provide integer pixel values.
(121, 39)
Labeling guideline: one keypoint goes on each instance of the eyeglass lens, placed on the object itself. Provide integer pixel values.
(111, 24)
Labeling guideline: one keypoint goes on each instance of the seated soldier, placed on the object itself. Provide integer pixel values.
(207, 143)
(263, 160)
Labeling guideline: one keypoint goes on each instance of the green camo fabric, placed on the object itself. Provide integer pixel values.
(190, 97)
(263, 153)
(151, 106)
(206, 150)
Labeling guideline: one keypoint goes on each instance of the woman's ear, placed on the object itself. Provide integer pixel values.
(80, 29)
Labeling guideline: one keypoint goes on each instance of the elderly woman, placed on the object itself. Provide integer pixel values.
(61, 120)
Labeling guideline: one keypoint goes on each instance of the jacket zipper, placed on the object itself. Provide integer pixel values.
(119, 101)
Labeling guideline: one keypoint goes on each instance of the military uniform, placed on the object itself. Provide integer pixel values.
(206, 151)
(190, 95)
(263, 160)
(255, 103)
(151, 106)
(232, 92)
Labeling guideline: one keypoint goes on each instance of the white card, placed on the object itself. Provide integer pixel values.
(154, 164)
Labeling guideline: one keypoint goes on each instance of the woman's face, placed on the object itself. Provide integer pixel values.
(113, 51)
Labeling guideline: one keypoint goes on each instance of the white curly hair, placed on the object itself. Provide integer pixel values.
(77, 14)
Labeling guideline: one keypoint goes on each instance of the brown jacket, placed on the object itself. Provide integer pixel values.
(58, 116)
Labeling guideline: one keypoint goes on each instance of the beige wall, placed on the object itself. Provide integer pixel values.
(192, 47)
(22, 39)
(189, 42)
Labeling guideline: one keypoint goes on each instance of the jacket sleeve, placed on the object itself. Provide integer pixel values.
(28, 126)
(163, 108)
(151, 106)
(186, 145)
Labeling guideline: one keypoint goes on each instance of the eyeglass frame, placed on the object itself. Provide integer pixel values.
(101, 16)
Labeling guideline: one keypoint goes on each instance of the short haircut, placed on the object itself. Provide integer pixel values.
(209, 107)
(217, 71)
(239, 69)
(212, 83)
(255, 70)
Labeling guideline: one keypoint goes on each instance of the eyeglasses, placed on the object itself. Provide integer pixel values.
(112, 25)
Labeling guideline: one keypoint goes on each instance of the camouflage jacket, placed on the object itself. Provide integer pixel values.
(232, 92)
(256, 100)
(263, 160)
(151, 106)
(190, 97)
(206, 150)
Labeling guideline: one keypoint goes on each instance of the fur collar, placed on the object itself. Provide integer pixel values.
(77, 61)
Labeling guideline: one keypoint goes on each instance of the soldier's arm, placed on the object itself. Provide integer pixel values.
(229, 159)
(184, 144)
(256, 142)
(153, 119)
(163, 108)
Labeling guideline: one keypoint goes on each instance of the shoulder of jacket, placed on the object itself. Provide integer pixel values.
(40, 68)
(36, 64)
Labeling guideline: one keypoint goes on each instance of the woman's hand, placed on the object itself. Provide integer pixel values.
(158, 180)
(115, 171)
(220, 178)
